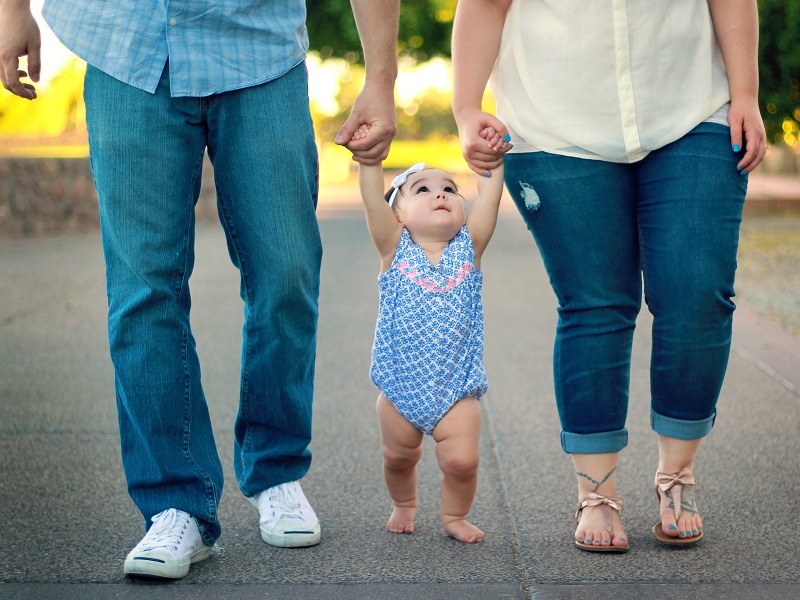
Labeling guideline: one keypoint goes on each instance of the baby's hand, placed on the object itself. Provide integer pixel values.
(360, 133)
(494, 140)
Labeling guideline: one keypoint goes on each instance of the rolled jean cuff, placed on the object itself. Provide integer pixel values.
(680, 429)
(594, 443)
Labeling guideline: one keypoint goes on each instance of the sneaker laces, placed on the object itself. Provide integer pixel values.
(167, 530)
(283, 503)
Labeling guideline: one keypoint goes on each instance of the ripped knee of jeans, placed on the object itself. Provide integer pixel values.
(529, 196)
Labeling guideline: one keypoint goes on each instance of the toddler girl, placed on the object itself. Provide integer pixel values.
(427, 359)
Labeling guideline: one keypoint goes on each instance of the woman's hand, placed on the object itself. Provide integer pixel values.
(747, 131)
(479, 144)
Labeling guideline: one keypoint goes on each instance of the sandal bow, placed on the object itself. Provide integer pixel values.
(675, 482)
(594, 499)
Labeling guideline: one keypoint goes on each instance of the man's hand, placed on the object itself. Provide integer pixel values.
(19, 36)
(374, 109)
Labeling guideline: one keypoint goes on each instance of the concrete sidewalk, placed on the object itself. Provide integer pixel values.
(66, 522)
(772, 193)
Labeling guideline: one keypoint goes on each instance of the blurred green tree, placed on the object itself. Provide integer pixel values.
(779, 66)
(424, 32)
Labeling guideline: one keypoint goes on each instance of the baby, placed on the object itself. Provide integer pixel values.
(427, 359)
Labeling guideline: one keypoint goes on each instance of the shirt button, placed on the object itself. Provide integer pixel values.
(172, 21)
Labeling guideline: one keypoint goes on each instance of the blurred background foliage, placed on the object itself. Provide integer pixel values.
(424, 30)
(779, 68)
(423, 86)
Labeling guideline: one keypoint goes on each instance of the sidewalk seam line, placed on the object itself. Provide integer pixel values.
(504, 501)
(772, 373)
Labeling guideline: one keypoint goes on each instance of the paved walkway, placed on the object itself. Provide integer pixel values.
(772, 193)
(66, 522)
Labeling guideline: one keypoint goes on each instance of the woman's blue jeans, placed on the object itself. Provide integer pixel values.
(671, 220)
(147, 153)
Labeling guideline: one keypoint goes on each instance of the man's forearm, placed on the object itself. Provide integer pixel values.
(12, 4)
(377, 21)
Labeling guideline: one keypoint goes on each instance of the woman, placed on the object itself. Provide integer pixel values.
(634, 127)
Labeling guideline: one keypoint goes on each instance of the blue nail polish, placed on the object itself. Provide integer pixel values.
(507, 137)
(739, 168)
(695, 532)
(672, 528)
(580, 539)
(621, 539)
(736, 147)
(486, 175)
(510, 146)
(683, 534)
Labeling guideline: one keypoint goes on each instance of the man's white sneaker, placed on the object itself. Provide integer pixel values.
(287, 519)
(172, 543)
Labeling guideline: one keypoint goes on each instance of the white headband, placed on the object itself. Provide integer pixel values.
(398, 181)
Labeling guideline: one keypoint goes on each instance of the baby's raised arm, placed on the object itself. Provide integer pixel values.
(384, 228)
(482, 217)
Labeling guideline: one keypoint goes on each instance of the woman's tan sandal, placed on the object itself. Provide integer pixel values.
(676, 492)
(606, 505)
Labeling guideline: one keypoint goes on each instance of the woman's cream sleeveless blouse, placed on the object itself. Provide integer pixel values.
(607, 79)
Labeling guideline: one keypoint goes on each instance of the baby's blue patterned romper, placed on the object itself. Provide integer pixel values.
(428, 350)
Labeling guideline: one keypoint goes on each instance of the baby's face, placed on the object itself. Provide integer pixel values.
(429, 199)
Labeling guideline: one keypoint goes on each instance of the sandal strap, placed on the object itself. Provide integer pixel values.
(604, 502)
(674, 482)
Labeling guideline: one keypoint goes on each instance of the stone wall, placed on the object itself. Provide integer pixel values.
(55, 196)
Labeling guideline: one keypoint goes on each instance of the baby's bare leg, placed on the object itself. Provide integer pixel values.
(457, 437)
(402, 448)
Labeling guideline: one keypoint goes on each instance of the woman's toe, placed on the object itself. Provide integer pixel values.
(581, 537)
(670, 529)
(668, 524)
(695, 525)
(686, 526)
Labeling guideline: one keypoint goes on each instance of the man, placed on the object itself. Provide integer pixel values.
(164, 84)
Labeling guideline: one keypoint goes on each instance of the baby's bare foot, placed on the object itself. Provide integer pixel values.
(464, 531)
(401, 520)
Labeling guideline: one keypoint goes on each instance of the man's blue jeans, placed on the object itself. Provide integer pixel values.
(147, 154)
(674, 218)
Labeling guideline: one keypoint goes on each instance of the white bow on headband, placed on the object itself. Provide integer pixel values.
(398, 181)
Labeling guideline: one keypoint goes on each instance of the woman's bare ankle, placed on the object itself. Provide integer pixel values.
(596, 477)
